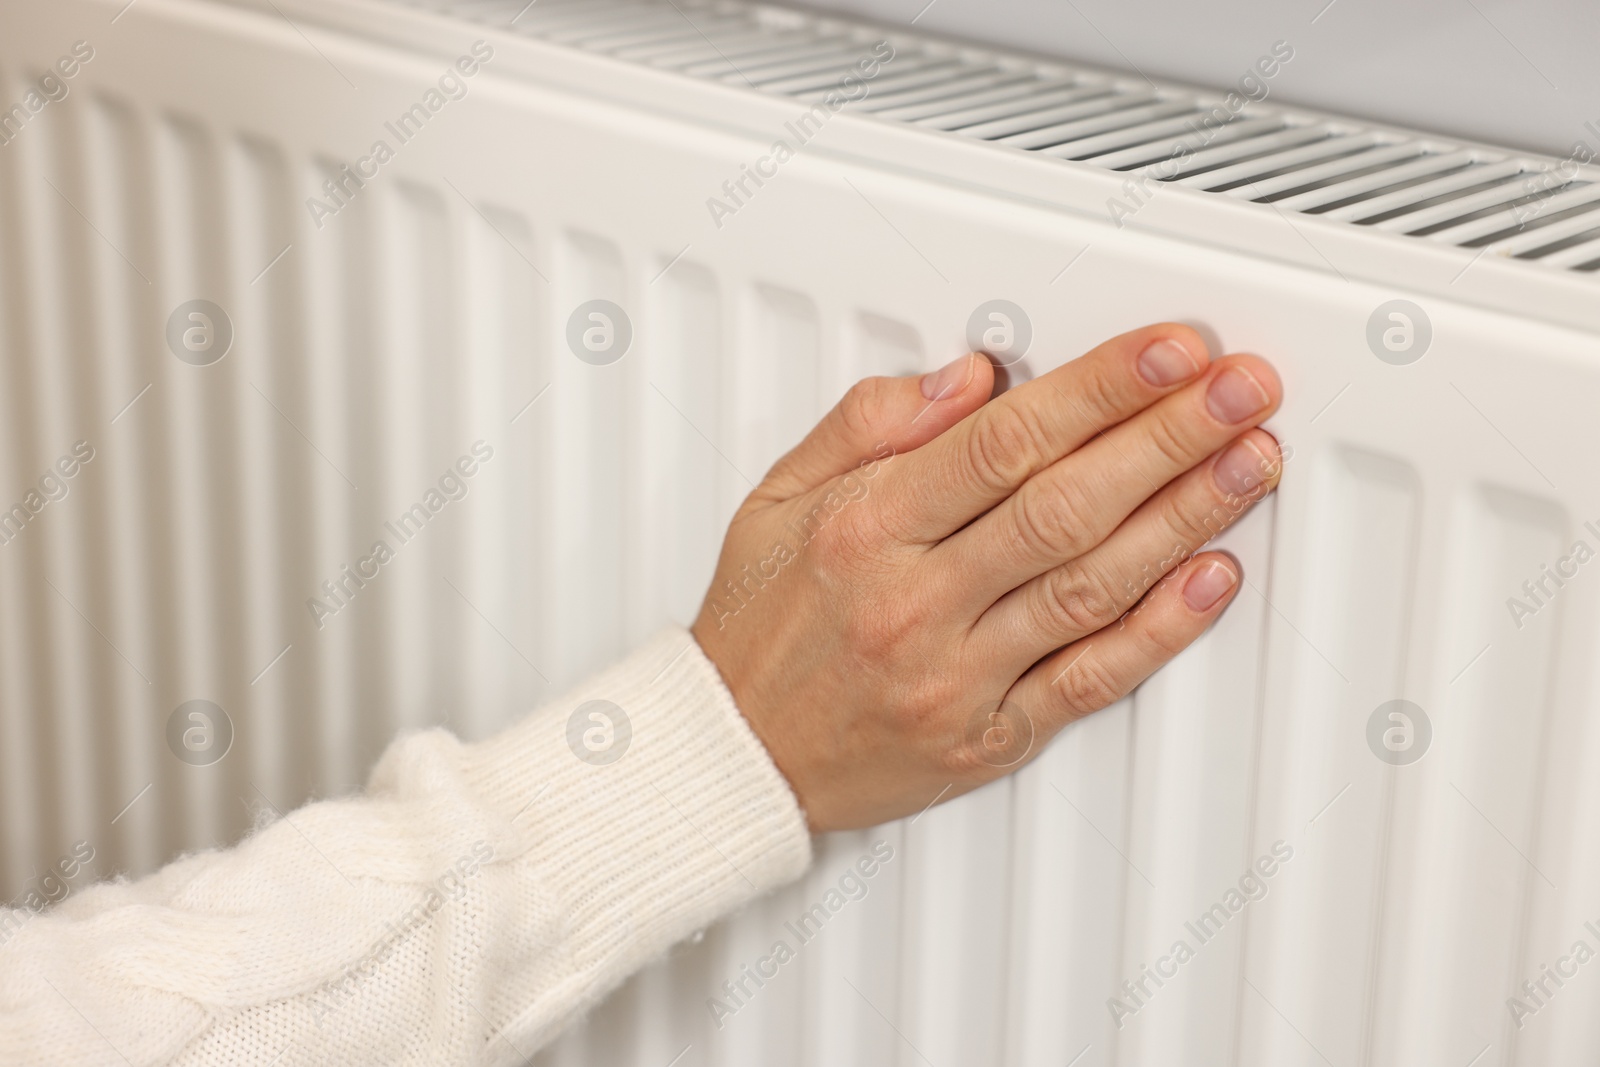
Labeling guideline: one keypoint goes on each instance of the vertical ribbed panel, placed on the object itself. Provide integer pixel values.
(192, 251)
(590, 421)
(681, 473)
(778, 377)
(1347, 659)
(126, 343)
(1192, 722)
(853, 974)
(1473, 818)
(332, 346)
(70, 762)
(259, 220)
(954, 928)
(431, 311)
(29, 829)
(418, 337)
(489, 291)
(1071, 879)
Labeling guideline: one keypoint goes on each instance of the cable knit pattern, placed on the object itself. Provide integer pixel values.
(468, 904)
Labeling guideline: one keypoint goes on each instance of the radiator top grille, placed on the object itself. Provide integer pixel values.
(1533, 209)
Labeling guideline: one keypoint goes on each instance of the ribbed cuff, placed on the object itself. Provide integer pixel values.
(650, 831)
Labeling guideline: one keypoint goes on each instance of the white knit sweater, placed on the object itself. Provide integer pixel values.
(472, 901)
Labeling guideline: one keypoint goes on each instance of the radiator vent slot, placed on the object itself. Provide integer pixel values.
(1525, 207)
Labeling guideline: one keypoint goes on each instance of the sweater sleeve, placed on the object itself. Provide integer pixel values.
(463, 908)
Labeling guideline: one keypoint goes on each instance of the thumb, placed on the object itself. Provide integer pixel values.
(902, 413)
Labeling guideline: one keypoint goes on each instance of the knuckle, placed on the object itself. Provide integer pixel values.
(861, 409)
(1006, 446)
(986, 740)
(923, 707)
(1050, 521)
(1086, 687)
(964, 762)
(1170, 443)
(1160, 643)
(1103, 392)
(870, 636)
(1075, 601)
(1194, 522)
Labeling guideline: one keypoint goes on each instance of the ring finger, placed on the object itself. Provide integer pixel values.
(1097, 671)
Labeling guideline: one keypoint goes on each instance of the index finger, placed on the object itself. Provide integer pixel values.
(986, 457)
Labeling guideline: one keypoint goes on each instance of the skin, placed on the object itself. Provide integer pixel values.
(924, 591)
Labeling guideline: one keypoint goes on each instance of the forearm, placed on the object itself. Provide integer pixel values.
(460, 910)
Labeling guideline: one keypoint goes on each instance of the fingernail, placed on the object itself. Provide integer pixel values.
(1235, 395)
(948, 380)
(1208, 585)
(1242, 469)
(1167, 363)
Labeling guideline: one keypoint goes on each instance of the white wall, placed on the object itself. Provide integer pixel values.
(1517, 72)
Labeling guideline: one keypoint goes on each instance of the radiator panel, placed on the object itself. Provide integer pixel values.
(432, 313)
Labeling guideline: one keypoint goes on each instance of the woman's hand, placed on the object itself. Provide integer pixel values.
(933, 583)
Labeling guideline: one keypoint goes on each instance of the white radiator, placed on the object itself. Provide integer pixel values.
(360, 338)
